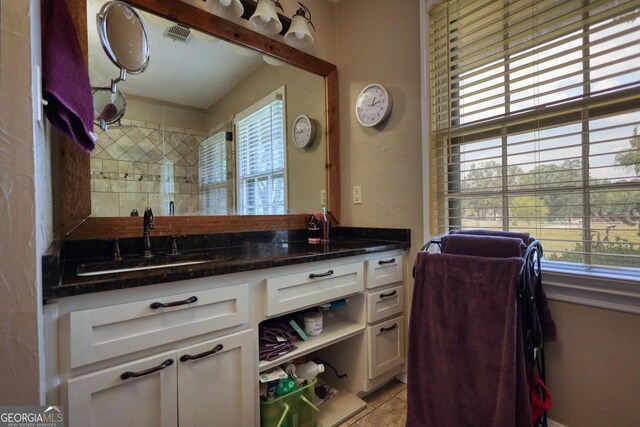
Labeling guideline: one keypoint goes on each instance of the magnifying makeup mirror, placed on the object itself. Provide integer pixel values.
(124, 39)
(108, 107)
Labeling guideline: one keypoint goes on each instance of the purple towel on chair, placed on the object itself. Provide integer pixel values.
(465, 361)
(487, 246)
(66, 85)
(526, 237)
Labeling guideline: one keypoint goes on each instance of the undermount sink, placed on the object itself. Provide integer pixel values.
(141, 264)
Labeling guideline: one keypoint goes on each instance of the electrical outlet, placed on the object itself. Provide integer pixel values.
(357, 194)
(323, 197)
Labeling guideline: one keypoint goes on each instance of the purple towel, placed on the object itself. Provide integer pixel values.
(543, 314)
(487, 246)
(526, 237)
(466, 366)
(66, 85)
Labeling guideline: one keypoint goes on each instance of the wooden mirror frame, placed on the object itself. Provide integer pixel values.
(75, 170)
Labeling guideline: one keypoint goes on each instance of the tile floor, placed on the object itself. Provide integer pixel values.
(386, 407)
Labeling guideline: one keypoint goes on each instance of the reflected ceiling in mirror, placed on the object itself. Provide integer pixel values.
(178, 140)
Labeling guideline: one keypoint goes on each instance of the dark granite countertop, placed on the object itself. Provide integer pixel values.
(207, 255)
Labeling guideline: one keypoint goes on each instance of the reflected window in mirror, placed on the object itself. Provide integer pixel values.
(261, 157)
(214, 191)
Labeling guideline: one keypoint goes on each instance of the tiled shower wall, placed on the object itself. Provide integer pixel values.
(127, 170)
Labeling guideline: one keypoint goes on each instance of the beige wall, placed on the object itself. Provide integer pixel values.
(304, 95)
(25, 206)
(379, 42)
(166, 114)
(593, 371)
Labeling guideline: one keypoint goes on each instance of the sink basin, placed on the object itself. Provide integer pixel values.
(141, 264)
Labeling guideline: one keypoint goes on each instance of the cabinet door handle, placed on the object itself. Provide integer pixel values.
(156, 305)
(390, 328)
(215, 349)
(386, 261)
(390, 294)
(160, 367)
(314, 275)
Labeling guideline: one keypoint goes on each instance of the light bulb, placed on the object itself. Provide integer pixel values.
(299, 35)
(225, 3)
(265, 19)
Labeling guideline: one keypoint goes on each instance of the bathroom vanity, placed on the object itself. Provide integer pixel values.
(179, 345)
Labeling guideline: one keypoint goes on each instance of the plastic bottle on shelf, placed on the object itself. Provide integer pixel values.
(309, 370)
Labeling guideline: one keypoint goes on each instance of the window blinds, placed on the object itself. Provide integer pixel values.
(213, 175)
(534, 116)
(261, 159)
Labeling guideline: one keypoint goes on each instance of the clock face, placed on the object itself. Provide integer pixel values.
(304, 131)
(373, 105)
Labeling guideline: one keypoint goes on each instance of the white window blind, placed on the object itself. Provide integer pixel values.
(261, 158)
(534, 115)
(213, 175)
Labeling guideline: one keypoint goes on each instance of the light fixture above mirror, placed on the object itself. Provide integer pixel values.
(299, 34)
(233, 9)
(265, 19)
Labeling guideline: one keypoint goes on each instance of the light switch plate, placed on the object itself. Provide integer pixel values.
(323, 197)
(357, 194)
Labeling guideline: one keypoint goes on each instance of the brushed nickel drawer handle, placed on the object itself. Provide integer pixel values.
(156, 305)
(314, 275)
(388, 261)
(390, 328)
(390, 294)
(160, 367)
(187, 357)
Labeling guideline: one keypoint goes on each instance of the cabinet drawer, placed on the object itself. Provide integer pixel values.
(385, 303)
(386, 346)
(296, 291)
(384, 270)
(102, 333)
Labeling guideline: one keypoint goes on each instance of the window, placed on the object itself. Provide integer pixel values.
(535, 117)
(213, 175)
(261, 157)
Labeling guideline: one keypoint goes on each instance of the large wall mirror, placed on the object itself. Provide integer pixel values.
(207, 137)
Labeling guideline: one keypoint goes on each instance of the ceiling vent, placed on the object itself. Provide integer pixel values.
(178, 33)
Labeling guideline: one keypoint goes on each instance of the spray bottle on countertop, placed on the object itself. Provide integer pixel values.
(325, 226)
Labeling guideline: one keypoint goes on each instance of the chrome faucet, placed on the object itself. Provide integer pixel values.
(149, 224)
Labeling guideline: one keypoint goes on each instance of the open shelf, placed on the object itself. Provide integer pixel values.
(331, 334)
(339, 408)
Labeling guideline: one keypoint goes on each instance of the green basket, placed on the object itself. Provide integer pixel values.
(295, 409)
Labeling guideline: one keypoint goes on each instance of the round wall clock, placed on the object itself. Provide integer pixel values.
(304, 131)
(373, 105)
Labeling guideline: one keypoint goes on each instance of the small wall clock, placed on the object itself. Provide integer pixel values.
(304, 131)
(373, 105)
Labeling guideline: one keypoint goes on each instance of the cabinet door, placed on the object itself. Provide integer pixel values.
(216, 383)
(104, 398)
(386, 346)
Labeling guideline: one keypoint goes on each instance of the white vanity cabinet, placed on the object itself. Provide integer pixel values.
(186, 353)
(154, 357)
(199, 385)
(385, 339)
(378, 355)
